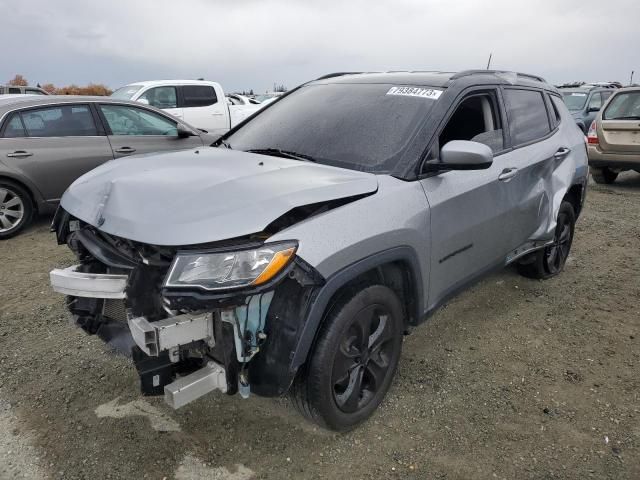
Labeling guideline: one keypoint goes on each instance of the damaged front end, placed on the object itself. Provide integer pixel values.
(224, 316)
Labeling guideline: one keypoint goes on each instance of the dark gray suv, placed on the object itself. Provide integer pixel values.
(584, 102)
(292, 258)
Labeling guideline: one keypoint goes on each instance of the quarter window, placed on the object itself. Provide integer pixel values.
(199, 95)
(14, 128)
(61, 121)
(553, 109)
(125, 120)
(527, 113)
(161, 97)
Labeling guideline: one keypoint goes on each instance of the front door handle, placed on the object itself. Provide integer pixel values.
(125, 150)
(561, 153)
(507, 174)
(19, 154)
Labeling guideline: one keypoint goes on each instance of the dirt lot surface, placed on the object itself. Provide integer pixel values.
(514, 379)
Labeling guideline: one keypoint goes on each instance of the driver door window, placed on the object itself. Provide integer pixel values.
(161, 97)
(125, 120)
(595, 103)
(475, 119)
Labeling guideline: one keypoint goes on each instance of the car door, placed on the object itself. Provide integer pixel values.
(203, 109)
(135, 130)
(164, 97)
(53, 145)
(536, 151)
(470, 210)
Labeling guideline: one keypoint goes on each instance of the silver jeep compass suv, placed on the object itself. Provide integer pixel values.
(294, 256)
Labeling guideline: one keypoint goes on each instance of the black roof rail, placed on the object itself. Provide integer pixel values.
(336, 74)
(466, 73)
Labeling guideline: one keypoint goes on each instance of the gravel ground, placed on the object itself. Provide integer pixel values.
(514, 379)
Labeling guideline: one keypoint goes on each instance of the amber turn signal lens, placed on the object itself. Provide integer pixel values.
(277, 263)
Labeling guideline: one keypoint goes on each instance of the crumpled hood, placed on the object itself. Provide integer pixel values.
(203, 195)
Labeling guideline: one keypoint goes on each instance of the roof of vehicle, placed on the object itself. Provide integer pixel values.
(153, 83)
(635, 88)
(11, 102)
(438, 79)
(587, 87)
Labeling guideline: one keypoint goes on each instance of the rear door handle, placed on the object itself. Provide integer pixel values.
(561, 153)
(125, 150)
(19, 154)
(507, 174)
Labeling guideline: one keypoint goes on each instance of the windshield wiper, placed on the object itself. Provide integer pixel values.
(224, 143)
(629, 117)
(276, 152)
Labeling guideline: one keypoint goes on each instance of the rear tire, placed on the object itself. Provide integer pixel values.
(603, 175)
(549, 261)
(16, 209)
(354, 360)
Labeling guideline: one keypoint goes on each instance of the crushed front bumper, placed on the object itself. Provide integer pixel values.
(69, 281)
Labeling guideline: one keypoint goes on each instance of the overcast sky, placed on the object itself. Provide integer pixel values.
(254, 43)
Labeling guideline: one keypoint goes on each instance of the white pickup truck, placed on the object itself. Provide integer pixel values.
(200, 103)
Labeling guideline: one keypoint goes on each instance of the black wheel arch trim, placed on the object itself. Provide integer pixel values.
(318, 305)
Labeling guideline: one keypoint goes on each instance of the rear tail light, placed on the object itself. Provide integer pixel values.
(592, 136)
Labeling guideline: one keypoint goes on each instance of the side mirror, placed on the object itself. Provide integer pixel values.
(184, 132)
(593, 109)
(143, 101)
(465, 155)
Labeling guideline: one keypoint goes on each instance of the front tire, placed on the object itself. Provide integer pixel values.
(549, 261)
(16, 209)
(354, 360)
(603, 175)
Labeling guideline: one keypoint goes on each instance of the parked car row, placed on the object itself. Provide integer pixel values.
(292, 258)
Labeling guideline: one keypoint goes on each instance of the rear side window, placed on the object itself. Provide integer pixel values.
(14, 128)
(624, 106)
(61, 121)
(528, 120)
(199, 95)
(14, 90)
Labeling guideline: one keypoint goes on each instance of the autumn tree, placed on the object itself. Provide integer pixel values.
(97, 89)
(50, 88)
(19, 81)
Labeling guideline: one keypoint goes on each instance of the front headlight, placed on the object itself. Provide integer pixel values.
(223, 270)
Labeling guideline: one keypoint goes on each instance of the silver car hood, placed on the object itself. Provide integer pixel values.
(203, 195)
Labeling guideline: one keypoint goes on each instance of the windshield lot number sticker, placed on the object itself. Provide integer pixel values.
(415, 92)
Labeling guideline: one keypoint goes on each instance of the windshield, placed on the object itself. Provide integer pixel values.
(357, 126)
(127, 92)
(574, 100)
(624, 106)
